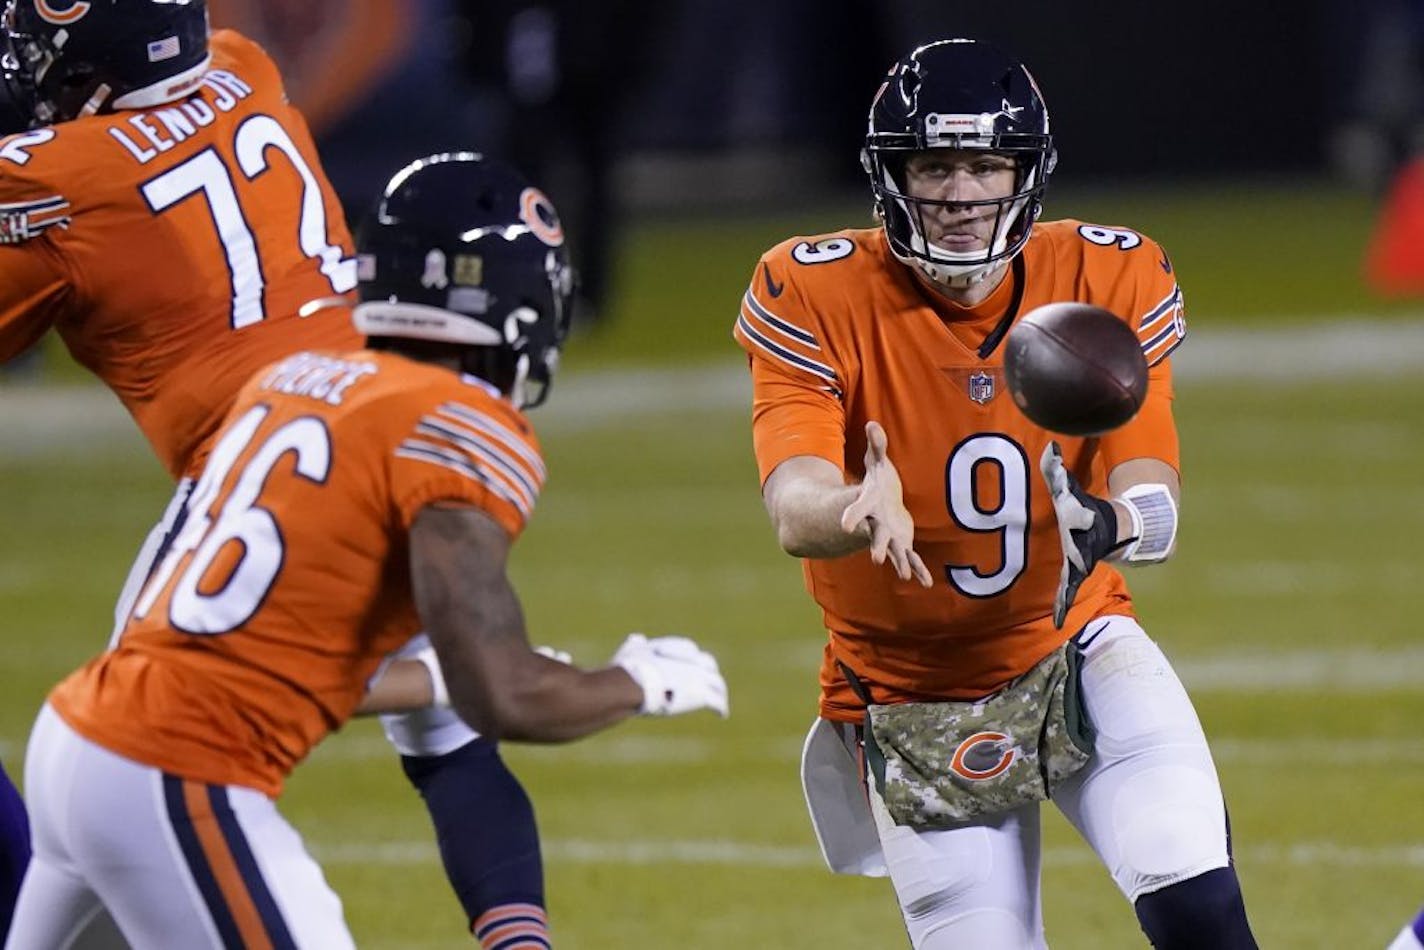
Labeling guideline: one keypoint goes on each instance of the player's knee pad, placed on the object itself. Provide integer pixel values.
(1170, 824)
(484, 824)
(1205, 912)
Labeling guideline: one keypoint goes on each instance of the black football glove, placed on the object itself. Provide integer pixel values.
(1087, 528)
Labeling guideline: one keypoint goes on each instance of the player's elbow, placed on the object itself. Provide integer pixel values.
(792, 540)
(480, 711)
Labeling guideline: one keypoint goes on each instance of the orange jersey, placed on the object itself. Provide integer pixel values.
(839, 332)
(289, 581)
(172, 248)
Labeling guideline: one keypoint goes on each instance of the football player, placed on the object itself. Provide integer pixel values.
(1411, 937)
(350, 501)
(164, 210)
(883, 432)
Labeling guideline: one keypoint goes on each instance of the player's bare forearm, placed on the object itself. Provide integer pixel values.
(806, 497)
(817, 515)
(497, 683)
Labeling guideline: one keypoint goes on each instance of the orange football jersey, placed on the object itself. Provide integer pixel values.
(289, 581)
(172, 248)
(839, 332)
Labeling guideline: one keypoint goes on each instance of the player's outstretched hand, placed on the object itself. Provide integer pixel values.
(1087, 528)
(555, 654)
(677, 676)
(880, 506)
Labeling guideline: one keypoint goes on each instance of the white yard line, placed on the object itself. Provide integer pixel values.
(36, 420)
(619, 752)
(1338, 672)
(653, 853)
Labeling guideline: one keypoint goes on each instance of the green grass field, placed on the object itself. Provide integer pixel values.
(1292, 610)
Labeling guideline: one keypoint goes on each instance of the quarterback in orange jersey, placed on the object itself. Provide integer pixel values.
(350, 501)
(995, 661)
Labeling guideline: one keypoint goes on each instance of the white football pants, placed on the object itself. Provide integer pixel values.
(176, 864)
(1148, 802)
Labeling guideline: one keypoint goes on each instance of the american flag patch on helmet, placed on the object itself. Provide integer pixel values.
(23, 220)
(166, 48)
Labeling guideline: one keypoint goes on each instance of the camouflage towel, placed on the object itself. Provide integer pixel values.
(936, 764)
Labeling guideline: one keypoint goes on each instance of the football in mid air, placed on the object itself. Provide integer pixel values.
(1075, 369)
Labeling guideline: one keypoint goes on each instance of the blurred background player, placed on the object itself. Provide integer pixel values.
(1411, 937)
(565, 73)
(372, 494)
(868, 344)
(166, 213)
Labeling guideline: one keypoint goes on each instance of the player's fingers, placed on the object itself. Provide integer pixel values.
(879, 541)
(875, 441)
(855, 513)
(899, 560)
(1060, 599)
(1050, 464)
(1070, 594)
(920, 571)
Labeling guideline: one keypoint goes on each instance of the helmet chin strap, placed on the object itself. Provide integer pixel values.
(959, 278)
(518, 390)
(956, 270)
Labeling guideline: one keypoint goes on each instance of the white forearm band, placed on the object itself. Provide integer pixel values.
(1154, 522)
(438, 689)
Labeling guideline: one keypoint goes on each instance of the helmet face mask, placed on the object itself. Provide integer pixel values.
(967, 96)
(461, 252)
(64, 60)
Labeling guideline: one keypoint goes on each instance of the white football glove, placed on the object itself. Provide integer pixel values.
(677, 676)
(1087, 529)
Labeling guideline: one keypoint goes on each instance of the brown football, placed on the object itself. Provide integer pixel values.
(1075, 369)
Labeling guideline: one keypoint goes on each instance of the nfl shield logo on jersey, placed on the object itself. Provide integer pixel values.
(981, 387)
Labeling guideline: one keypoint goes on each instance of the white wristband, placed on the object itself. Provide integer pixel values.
(426, 656)
(1154, 522)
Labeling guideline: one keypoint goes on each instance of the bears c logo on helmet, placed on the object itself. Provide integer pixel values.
(61, 16)
(536, 211)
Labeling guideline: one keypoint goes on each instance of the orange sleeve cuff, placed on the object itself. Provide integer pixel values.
(792, 418)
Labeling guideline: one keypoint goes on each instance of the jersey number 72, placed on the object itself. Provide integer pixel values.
(207, 174)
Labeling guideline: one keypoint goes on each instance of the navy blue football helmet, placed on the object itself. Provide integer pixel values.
(461, 249)
(961, 94)
(64, 59)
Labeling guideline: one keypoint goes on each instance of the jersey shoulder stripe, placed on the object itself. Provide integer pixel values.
(775, 336)
(422, 451)
(496, 461)
(486, 423)
(22, 220)
(787, 357)
(477, 446)
(1163, 328)
(753, 308)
